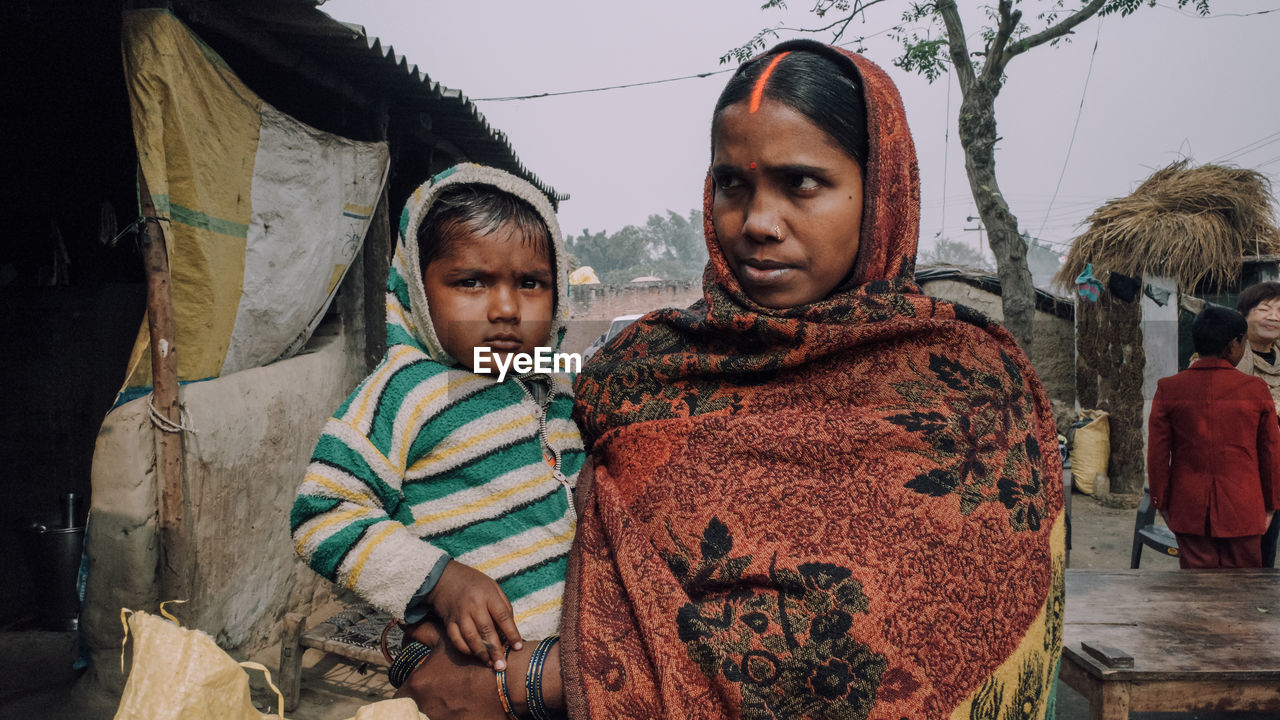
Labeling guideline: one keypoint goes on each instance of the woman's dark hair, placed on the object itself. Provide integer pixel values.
(809, 80)
(481, 209)
(1255, 295)
(1215, 327)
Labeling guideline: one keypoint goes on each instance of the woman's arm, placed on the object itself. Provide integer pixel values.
(454, 686)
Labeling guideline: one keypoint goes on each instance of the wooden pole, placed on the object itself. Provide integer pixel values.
(164, 382)
(291, 659)
(378, 249)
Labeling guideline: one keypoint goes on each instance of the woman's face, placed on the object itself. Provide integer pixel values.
(787, 206)
(1264, 322)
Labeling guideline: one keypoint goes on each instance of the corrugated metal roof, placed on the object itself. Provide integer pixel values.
(382, 72)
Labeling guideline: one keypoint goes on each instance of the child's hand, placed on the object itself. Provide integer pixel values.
(474, 610)
(427, 632)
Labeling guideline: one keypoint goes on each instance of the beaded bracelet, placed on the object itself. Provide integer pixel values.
(533, 679)
(503, 698)
(408, 660)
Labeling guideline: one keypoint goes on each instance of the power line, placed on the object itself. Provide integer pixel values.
(1250, 147)
(1265, 163)
(602, 89)
(695, 76)
(1079, 112)
(946, 153)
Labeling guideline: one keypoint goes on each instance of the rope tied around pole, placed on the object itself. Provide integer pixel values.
(165, 424)
(136, 227)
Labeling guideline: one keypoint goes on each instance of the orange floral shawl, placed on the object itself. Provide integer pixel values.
(848, 509)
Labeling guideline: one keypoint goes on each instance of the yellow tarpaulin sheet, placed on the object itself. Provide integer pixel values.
(265, 213)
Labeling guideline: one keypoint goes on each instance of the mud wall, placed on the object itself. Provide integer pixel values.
(1110, 375)
(592, 307)
(255, 431)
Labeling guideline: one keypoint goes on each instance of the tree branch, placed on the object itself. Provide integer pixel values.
(996, 60)
(860, 7)
(1052, 33)
(757, 43)
(956, 43)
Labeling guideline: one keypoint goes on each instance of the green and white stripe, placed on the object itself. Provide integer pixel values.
(427, 460)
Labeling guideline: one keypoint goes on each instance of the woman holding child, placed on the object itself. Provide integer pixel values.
(816, 492)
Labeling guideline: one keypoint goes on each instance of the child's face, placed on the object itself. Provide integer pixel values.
(492, 290)
(787, 206)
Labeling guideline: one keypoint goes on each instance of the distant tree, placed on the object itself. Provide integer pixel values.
(953, 252)
(934, 40)
(670, 247)
(589, 249)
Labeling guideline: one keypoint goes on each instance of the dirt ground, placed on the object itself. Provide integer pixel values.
(39, 681)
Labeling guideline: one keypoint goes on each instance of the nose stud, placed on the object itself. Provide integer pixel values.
(777, 232)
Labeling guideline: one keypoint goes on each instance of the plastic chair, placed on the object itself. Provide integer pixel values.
(1147, 532)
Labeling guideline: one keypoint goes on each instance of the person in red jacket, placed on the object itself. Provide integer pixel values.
(1213, 450)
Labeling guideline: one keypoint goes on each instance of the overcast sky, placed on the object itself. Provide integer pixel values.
(1165, 84)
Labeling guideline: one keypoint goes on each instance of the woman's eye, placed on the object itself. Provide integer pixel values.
(532, 284)
(727, 182)
(468, 283)
(804, 182)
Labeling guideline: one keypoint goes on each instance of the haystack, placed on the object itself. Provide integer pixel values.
(1192, 224)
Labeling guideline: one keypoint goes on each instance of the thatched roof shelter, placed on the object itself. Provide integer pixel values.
(1193, 224)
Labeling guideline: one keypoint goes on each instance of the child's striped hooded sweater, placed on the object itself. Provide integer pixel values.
(428, 461)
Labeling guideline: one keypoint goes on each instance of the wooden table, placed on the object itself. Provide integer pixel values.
(1173, 641)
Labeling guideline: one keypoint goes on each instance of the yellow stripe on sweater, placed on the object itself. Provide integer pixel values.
(524, 551)
(397, 315)
(544, 607)
(424, 406)
(337, 490)
(329, 521)
(484, 501)
(562, 435)
(371, 389)
(436, 457)
(368, 550)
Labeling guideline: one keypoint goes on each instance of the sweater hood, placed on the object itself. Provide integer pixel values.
(408, 316)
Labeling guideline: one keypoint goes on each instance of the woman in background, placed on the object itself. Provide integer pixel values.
(1260, 306)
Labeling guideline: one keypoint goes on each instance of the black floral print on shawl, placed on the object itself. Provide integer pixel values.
(788, 648)
(979, 436)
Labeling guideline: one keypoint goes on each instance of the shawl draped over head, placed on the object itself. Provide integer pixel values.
(846, 509)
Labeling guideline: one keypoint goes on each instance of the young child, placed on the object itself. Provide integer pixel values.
(435, 491)
(1213, 449)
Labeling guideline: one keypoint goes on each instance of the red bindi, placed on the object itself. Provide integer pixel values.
(752, 166)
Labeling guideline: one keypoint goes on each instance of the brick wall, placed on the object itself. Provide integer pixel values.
(593, 307)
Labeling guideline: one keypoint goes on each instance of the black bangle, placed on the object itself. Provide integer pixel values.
(408, 660)
(533, 680)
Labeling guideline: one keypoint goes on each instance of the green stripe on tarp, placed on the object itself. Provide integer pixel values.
(197, 219)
